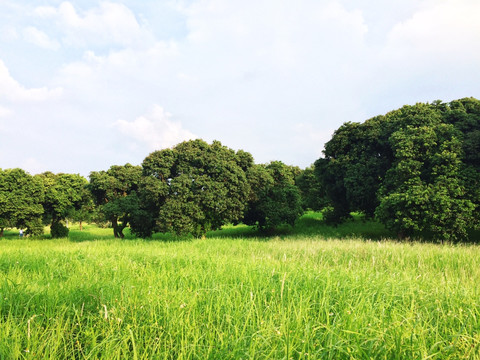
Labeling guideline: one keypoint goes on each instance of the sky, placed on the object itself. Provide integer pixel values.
(85, 85)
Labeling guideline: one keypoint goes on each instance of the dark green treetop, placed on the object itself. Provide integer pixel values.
(192, 188)
(415, 168)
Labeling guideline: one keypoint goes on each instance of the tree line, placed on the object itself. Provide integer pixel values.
(189, 189)
(414, 169)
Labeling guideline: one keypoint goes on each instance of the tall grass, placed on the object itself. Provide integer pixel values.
(297, 297)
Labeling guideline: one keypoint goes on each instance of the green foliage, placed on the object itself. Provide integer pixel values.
(356, 159)
(115, 193)
(64, 193)
(21, 197)
(192, 188)
(331, 173)
(58, 230)
(274, 198)
(415, 169)
(423, 191)
(311, 189)
(85, 210)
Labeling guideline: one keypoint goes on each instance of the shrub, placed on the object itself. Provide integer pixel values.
(58, 230)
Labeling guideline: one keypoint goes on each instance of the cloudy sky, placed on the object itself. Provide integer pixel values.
(88, 84)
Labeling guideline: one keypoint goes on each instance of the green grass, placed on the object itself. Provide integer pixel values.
(236, 295)
(312, 224)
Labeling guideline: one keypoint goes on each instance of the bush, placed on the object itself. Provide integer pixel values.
(58, 230)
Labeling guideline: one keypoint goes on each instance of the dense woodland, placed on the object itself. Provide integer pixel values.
(414, 169)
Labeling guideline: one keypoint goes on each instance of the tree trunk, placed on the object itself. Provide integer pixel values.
(80, 225)
(1, 232)
(120, 229)
(115, 227)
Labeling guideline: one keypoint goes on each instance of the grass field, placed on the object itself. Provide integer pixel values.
(238, 296)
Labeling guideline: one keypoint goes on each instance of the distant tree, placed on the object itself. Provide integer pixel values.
(274, 199)
(21, 197)
(64, 193)
(86, 210)
(115, 193)
(312, 190)
(192, 188)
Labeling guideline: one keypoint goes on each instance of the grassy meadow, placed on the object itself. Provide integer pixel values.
(311, 293)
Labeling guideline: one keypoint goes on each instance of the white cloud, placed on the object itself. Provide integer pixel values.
(278, 33)
(46, 11)
(106, 25)
(10, 89)
(431, 54)
(242, 72)
(39, 38)
(442, 30)
(156, 129)
(4, 112)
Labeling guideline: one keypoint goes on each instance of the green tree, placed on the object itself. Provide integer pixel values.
(63, 194)
(356, 160)
(115, 193)
(192, 188)
(415, 169)
(423, 190)
(85, 211)
(312, 190)
(274, 198)
(464, 114)
(21, 197)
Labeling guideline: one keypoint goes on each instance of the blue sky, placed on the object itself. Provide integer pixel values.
(88, 84)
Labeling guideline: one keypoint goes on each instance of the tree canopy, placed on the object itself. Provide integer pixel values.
(415, 169)
(115, 193)
(21, 197)
(63, 194)
(192, 188)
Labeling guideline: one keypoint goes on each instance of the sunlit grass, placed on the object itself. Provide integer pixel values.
(297, 297)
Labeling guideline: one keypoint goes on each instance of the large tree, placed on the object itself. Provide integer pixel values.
(464, 115)
(415, 168)
(63, 194)
(356, 160)
(192, 188)
(115, 193)
(423, 190)
(21, 197)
